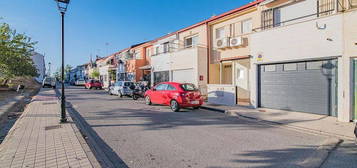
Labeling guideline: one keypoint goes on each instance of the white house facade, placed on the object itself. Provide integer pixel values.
(39, 62)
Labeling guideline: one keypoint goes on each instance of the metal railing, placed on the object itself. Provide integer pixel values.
(324, 8)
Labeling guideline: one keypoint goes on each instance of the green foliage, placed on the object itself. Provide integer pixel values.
(15, 53)
(95, 74)
(58, 74)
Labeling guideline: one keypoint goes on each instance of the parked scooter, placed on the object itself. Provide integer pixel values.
(139, 91)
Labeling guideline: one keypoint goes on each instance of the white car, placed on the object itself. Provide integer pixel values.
(121, 88)
(49, 82)
(80, 82)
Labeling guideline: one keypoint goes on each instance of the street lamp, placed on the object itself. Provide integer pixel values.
(62, 7)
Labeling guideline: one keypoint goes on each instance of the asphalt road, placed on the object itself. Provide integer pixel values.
(154, 136)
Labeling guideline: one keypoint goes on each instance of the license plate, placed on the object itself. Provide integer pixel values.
(195, 102)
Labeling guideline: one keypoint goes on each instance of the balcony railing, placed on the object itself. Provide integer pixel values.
(324, 8)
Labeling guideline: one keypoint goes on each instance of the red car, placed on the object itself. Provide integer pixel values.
(93, 84)
(176, 95)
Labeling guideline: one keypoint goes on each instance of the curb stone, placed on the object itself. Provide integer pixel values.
(279, 124)
(321, 153)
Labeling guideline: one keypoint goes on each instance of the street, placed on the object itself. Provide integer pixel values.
(154, 136)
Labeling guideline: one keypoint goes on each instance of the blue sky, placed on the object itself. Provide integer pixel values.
(90, 24)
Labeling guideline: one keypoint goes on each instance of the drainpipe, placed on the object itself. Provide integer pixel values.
(208, 50)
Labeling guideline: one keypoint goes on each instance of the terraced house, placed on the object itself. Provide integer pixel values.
(229, 53)
(299, 59)
(296, 55)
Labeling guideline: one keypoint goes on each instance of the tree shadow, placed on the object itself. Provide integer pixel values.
(296, 157)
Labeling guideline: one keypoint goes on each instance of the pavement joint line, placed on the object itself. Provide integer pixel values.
(282, 125)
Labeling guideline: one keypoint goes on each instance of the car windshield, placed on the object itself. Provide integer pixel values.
(188, 87)
(48, 79)
(128, 83)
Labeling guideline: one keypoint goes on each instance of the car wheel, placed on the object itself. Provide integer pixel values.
(197, 107)
(90, 87)
(148, 100)
(135, 97)
(119, 94)
(100, 88)
(175, 107)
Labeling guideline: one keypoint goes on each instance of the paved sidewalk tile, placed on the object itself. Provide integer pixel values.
(38, 139)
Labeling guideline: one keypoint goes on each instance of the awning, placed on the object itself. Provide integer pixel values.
(234, 58)
(146, 67)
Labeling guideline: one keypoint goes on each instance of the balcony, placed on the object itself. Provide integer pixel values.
(189, 57)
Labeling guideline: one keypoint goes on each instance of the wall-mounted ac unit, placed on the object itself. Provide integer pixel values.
(235, 41)
(222, 42)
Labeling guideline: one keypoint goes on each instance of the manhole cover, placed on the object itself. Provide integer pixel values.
(53, 127)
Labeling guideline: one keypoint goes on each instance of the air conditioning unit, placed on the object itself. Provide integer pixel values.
(235, 41)
(222, 42)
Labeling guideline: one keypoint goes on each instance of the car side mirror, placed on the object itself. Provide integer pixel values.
(153, 89)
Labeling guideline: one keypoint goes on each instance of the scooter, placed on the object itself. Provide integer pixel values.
(139, 92)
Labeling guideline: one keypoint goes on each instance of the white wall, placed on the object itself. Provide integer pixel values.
(313, 39)
(39, 62)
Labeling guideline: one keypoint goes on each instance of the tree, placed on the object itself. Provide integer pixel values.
(15, 54)
(95, 74)
(58, 74)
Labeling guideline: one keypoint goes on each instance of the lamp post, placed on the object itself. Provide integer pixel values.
(62, 7)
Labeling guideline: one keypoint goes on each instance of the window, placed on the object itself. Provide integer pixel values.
(220, 33)
(314, 65)
(269, 68)
(137, 55)
(157, 50)
(170, 87)
(148, 52)
(240, 73)
(188, 87)
(267, 18)
(247, 26)
(161, 87)
(290, 67)
(166, 47)
(277, 17)
(191, 41)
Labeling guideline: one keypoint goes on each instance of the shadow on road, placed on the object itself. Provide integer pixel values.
(102, 151)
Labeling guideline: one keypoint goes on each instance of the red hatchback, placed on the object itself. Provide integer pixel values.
(176, 95)
(93, 84)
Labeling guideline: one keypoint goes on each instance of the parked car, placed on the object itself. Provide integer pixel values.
(80, 82)
(49, 82)
(92, 83)
(121, 88)
(176, 95)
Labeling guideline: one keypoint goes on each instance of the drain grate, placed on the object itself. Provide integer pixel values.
(53, 127)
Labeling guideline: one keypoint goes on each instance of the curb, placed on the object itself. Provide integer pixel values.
(214, 109)
(279, 124)
(321, 154)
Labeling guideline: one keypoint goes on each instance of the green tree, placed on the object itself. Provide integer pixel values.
(15, 54)
(58, 74)
(95, 74)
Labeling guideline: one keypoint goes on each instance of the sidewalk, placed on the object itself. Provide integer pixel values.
(318, 124)
(38, 139)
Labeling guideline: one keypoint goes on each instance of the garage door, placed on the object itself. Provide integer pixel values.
(301, 86)
(183, 76)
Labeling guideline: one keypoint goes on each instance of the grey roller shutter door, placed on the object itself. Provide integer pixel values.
(302, 86)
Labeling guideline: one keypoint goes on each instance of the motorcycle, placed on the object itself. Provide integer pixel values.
(139, 91)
